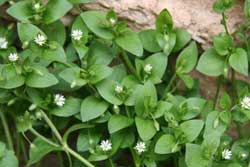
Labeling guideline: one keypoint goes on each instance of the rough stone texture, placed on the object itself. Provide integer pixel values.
(194, 15)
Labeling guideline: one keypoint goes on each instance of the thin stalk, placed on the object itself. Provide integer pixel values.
(79, 157)
(128, 63)
(234, 94)
(170, 84)
(43, 138)
(224, 23)
(217, 93)
(127, 111)
(135, 157)
(6, 130)
(64, 146)
(23, 149)
(111, 163)
(52, 126)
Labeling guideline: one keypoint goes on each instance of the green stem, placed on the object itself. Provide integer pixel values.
(234, 93)
(135, 157)
(79, 157)
(127, 111)
(217, 93)
(224, 23)
(23, 149)
(128, 63)
(111, 163)
(63, 141)
(43, 138)
(52, 126)
(6, 130)
(171, 82)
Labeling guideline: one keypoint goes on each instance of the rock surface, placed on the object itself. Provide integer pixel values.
(194, 15)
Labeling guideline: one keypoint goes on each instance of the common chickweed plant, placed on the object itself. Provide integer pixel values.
(96, 93)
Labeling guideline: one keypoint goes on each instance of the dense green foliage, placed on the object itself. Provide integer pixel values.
(97, 93)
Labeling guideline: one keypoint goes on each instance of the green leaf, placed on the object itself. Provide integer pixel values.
(210, 145)
(188, 80)
(11, 79)
(2, 149)
(145, 128)
(99, 54)
(130, 42)
(239, 61)
(166, 42)
(223, 43)
(27, 32)
(41, 78)
(92, 108)
(38, 150)
(146, 97)
(71, 107)
(50, 55)
(220, 6)
(58, 27)
(21, 10)
(194, 106)
(72, 76)
(94, 21)
(88, 140)
(9, 159)
(187, 59)
(166, 144)
(24, 122)
(225, 101)
(211, 63)
(118, 122)
(164, 22)
(182, 38)
(159, 63)
(98, 73)
(149, 41)
(193, 156)
(192, 129)
(55, 9)
(213, 124)
(162, 108)
(106, 89)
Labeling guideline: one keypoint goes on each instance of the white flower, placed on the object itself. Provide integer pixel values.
(59, 100)
(116, 107)
(140, 147)
(37, 6)
(245, 103)
(76, 34)
(40, 39)
(148, 68)
(106, 145)
(118, 88)
(244, 155)
(112, 21)
(3, 43)
(13, 57)
(226, 154)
